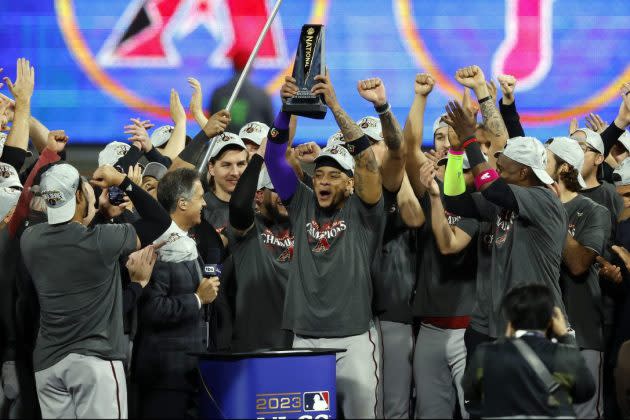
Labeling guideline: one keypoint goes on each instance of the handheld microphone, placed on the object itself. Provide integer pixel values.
(212, 268)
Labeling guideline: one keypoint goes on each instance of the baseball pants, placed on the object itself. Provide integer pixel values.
(439, 363)
(593, 408)
(397, 356)
(81, 386)
(358, 372)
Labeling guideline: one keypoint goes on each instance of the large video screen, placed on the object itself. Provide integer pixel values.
(100, 62)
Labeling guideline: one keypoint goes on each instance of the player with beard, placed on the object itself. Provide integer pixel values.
(262, 247)
(526, 243)
(337, 233)
(227, 163)
(589, 232)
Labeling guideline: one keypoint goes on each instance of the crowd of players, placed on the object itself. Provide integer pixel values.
(409, 260)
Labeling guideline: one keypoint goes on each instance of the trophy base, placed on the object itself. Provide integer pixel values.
(316, 110)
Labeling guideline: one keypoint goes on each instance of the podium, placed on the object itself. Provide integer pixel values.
(291, 384)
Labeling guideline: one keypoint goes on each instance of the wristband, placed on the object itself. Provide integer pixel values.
(382, 109)
(126, 184)
(482, 100)
(355, 147)
(485, 177)
(469, 141)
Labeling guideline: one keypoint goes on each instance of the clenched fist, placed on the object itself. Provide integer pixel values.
(217, 123)
(56, 141)
(373, 90)
(208, 289)
(424, 84)
(508, 84)
(471, 77)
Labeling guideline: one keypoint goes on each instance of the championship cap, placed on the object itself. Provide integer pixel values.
(593, 139)
(155, 170)
(264, 181)
(112, 152)
(8, 199)
(625, 140)
(161, 135)
(529, 151)
(339, 154)
(621, 175)
(58, 188)
(371, 127)
(570, 151)
(224, 140)
(9, 177)
(3, 139)
(335, 139)
(254, 131)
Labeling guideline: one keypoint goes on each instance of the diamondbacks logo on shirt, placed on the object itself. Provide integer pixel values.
(321, 236)
(452, 219)
(278, 242)
(504, 223)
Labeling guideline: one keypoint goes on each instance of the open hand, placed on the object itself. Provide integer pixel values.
(22, 89)
(595, 123)
(462, 121)
(139, 135)
(609, 271)
(140, 264)
(289, 88)
(106, 176)
(176, 109)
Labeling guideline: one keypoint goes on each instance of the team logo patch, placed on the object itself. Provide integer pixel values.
(5, 171)
(165, 36)
(53, 198)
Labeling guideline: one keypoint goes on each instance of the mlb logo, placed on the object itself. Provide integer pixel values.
(316, 401)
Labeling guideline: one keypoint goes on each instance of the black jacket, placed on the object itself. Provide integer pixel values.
(170, 325)
(502, 383)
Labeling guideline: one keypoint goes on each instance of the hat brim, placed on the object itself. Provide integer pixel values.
(257, 142)
(335, 158)
(225, 145)
(543, 176)
(61, 214)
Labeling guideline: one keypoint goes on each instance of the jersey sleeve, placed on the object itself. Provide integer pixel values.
(536, 204)
(468, 225)
(116, 240)
(595, 230)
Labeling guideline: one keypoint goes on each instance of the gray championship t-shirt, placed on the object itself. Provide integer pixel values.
(262, 258)
(216, 212)
(445, 285)
(606, 195)
(589, 224)
(394, 267)
(517, 248)
(330, 287)
(76, 274)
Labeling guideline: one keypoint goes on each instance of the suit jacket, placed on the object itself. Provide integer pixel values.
(501, 382)
(170, 325)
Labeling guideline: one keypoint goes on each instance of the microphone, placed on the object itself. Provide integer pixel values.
(212, 268)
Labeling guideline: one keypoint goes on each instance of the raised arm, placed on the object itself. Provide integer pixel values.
(196, 107)
(612, 133)
(192, 155)
(410, 209)
(449, 239)
(37, 131)
(22, 91)
(413, 131)
(472, 77)
(177, 142)
(367, 175)
(284, 179)
(393, 166)
(507, 106)
(242, 199)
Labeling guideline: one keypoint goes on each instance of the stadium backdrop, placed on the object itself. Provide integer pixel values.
(100, 62)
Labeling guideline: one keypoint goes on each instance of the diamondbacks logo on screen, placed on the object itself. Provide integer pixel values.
(118, 43)
(562, 47)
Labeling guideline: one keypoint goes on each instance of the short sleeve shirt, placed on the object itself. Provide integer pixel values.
(589, 224)
(517, 248)
(76, 274)
(216, 212)
(262, 258)
(329, 293)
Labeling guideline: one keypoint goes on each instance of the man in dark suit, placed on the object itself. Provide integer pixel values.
(499, 382)
(252, 102)
(171, 317)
